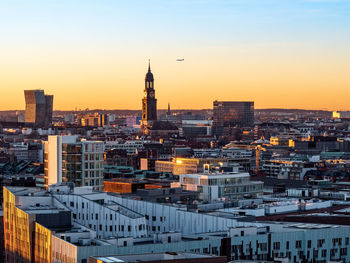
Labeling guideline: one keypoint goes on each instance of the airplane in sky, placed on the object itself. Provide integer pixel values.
(180, 59)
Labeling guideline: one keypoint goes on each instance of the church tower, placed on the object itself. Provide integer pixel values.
(149, 102)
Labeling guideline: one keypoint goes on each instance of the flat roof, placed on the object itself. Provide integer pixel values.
(218, 175)
(152, 257)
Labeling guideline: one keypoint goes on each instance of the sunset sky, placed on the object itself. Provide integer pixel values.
(94, 53)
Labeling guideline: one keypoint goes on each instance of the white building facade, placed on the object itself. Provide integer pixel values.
(215, 186)
(66, 159)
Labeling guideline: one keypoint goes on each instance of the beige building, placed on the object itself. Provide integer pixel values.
(29, 217)
(193, 165)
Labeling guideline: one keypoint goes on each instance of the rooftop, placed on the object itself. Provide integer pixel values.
(152, 257)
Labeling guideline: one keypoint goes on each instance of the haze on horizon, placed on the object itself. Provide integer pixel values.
(94, 54)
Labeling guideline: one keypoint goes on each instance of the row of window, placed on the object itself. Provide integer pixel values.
(93, 157)
(97, 173)
(119, 228)
(93, 165)
(320, 242)
(93, 147)
(154, 218)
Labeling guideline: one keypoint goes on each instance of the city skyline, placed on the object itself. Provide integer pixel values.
(279, 54)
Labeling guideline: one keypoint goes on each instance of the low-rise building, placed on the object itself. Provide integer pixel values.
(215, 185)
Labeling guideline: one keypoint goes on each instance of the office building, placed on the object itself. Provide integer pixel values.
(38, 228)
(179, 166)
(66, 159)
(231, 114)
(176, 167)
(195, 128)
(93, 120)
(216, 185)
(39, 108)
(58, 226)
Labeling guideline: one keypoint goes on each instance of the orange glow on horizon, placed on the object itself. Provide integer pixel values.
(308, 81)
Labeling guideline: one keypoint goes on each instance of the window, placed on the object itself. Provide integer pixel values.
(324, 253)
(298, 244)
(96, 216)
(333, 252)
(71, 204)
(309, 244)
(100, 227)
(276, 245)
(263, 246)
(122, 228)
(129, 228)
(154, 218)
(287, 245)
(111, 228)
(288, 254)
(111, 217)
(320, 242)
(82, 205)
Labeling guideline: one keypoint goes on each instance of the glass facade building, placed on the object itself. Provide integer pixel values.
(39, 108)
(230, 114)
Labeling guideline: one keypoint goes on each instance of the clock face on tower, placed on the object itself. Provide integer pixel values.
(145, 92)
(151, 94)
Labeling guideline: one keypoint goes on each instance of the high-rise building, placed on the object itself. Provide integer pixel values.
(67, 159)
(39, 108)
(230, 114)
(149, 102)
